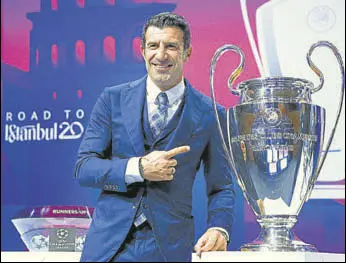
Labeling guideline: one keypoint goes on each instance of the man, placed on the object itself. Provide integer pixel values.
(144, 144)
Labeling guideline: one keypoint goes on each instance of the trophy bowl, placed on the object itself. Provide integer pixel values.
(273, 140)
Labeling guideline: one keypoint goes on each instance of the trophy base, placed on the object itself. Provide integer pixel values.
(277, 236)
(294, 246)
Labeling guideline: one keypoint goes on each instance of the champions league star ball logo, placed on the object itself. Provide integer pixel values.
(62, 239)
(272, 117)
(62, 233)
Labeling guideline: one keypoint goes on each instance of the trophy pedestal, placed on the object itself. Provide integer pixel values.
(293, 246)
(277, 236)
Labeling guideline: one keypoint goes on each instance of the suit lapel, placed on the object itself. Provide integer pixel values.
(190, 118)
(132, 100)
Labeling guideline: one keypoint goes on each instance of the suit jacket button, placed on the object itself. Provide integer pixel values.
(145, 206)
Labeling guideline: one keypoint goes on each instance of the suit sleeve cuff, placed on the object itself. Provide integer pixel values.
(132, 174)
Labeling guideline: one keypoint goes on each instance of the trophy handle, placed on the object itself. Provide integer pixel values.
(235, 91)
(235, 73)
(319, 73)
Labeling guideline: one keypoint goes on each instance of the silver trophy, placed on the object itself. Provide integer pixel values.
(274, 143)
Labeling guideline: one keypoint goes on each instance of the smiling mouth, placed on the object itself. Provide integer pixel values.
(162, 67)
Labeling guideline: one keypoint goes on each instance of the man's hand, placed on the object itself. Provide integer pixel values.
(212, 240)
(158, 165)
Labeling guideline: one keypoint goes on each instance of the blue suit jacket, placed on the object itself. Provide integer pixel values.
(114, 135)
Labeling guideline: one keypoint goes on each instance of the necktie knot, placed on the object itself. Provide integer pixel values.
(162, 101)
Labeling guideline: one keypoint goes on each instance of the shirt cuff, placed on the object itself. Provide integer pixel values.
(132, 174)
(223, 232)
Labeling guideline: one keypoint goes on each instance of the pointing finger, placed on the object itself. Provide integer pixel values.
(177, 150)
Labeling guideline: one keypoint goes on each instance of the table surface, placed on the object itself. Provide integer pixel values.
(229, 256)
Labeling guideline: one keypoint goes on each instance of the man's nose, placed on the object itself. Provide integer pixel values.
(161, 52)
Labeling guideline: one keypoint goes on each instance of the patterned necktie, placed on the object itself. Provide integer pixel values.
(159, 118)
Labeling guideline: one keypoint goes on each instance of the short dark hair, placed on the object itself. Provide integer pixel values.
(168, 19)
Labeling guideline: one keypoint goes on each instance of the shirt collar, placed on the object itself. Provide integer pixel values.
(173, 94)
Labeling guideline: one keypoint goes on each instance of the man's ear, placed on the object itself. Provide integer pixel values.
(142, 52)
(187, 53)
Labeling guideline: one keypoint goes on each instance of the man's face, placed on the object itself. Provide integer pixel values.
(164, 55)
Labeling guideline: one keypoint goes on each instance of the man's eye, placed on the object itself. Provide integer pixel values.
(172, 47)
(151, 46)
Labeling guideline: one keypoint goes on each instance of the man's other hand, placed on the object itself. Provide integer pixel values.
(212, 240)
